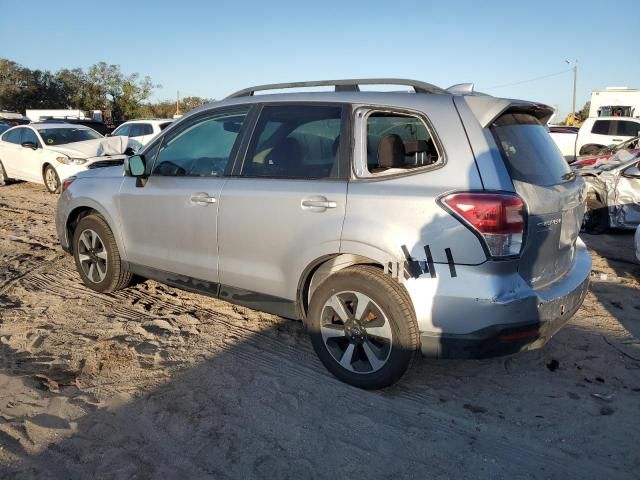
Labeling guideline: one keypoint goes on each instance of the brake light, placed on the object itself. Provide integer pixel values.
(67, 182)
(499, 218)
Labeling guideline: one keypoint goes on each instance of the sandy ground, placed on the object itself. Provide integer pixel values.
(154, 382)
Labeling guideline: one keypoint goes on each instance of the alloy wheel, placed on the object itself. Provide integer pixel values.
(92, 256)
(52, 181)
(356, 332)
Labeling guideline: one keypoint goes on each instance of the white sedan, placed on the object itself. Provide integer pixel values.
(49, 153)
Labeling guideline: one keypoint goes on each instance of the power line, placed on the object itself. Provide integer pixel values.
(527, 81)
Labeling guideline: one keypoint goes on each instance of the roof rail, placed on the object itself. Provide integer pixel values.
(352, 85)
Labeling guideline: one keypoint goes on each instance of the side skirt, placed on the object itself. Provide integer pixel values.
(254, 300)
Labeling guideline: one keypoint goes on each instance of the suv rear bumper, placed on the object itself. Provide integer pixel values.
(526, 322)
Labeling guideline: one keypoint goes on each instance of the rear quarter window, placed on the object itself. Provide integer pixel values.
(627, 128)
(528, 151)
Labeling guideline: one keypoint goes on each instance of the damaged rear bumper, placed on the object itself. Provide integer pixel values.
(540, 316)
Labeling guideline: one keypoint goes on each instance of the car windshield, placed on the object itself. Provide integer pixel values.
(60, 136)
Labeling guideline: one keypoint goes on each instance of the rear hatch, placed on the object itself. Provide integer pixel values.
(553, 194)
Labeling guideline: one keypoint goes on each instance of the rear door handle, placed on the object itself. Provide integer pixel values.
(319, 203)
(202, 198)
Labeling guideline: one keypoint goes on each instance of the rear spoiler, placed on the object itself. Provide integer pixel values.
(487, 109)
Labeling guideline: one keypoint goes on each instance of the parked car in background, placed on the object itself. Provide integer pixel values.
(613, 192)
(141, 132)
(585, 161)
(96, 125)
(460, 238)
(49, 153)
(594, 135)
(13, 118)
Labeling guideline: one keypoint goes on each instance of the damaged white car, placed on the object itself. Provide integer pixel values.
(613, 192)
(49, 153)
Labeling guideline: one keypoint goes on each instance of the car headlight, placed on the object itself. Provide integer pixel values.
(71, 161)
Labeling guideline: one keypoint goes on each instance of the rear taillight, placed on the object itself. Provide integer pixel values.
(499, 218)
(67, 182)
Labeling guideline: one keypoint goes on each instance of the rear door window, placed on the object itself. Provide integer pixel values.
(528, 151)
(140, 129)
(295, 142)
(13, 136)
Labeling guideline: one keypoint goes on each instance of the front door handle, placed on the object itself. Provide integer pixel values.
(202, 198)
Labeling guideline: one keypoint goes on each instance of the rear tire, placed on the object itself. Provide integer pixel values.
(51, 179)
(97, 257)
(596, 217)
(363, 327)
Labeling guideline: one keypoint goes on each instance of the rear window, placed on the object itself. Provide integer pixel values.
(529, 153)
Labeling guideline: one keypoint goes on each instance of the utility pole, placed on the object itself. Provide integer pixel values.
(575, 80)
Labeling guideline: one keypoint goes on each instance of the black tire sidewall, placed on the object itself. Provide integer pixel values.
(44, 175)
(404, 342)
(3, 175)
(98, 226)
(598, 218)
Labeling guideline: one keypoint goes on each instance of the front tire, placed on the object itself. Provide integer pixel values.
(51, 179)
(3, 176)
(363, 327)
(97, 257)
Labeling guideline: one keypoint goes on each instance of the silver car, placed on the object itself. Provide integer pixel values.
(613, 192)
(436, 221)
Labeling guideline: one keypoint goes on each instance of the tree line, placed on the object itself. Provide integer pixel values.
(100, 87)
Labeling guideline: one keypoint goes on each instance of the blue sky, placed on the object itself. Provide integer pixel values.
(210, 48)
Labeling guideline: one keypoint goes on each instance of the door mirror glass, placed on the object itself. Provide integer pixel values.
(633, 172)
(136, 166)
(30, 145)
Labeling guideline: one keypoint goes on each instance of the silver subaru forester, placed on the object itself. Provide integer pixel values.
(440, 221)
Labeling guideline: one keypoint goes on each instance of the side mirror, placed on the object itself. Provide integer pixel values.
(30, 145)
(135, 166)
(632, 172)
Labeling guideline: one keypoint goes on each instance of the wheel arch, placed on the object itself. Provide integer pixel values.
(81, 211)
(321, 269)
